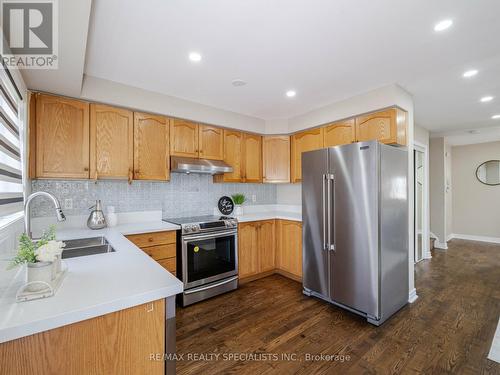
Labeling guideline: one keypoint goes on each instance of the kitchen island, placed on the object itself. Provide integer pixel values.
(122, 297)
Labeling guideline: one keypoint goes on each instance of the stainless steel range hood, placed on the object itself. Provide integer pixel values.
(192, 165)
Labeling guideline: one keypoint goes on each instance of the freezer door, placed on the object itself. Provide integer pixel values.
(314, 255)
(354, 207)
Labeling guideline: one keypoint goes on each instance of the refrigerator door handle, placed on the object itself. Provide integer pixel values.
(324, 182)
(331, 198)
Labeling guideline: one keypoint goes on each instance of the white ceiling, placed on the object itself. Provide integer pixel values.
(325, 50)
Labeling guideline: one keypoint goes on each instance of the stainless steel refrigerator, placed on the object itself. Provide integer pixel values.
(355, 227)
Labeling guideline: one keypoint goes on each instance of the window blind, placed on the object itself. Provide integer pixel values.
(11, 177)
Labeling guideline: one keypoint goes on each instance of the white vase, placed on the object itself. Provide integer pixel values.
(56, 266)
(39, 271)
(238, 210)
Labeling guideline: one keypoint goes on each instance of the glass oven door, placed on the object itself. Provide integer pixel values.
(209, 257)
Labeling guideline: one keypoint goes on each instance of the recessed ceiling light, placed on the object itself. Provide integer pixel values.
(474, 131)
(443, 25)
(470, 73)
(495, 117)
(486, 99)
(238, 82)
(291, 93)
(194, 56)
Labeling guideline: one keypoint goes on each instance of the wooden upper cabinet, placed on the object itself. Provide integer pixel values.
(111, 142)
(252, 153)
(211, 142)
(62, 137)
(151, 147)
(248, 249)
(276, 159)
(289, 255)
(308, 140)
(267, 245)
(233, 141)
(183, 138)
(339, 133)
(387, 126)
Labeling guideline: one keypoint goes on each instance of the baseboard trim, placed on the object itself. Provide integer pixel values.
(440, 245)
(412, 296)
(288, 274)
(475, 238)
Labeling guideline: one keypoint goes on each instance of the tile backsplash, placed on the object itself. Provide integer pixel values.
(184, 195)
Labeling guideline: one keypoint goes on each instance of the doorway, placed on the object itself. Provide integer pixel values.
(421, 191)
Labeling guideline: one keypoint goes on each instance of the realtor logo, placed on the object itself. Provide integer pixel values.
(29, 34)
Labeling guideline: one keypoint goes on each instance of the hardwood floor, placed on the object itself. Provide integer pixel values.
(449, 328)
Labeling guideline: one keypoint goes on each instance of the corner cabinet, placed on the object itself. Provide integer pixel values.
(151, 147)
(183, 138)
(117, 343)
(389, 126)
(111, 142)
(62, 137)
(276, 159)
(339, 133)
(302, 142)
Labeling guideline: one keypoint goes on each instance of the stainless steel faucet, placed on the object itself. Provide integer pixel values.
(27, 218)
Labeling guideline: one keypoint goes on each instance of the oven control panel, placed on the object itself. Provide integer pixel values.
(193, 228)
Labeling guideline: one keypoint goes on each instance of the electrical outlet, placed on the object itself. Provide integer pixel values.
(254, 198)
(68, 204)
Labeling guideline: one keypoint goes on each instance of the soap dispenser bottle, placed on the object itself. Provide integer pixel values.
(96, 218)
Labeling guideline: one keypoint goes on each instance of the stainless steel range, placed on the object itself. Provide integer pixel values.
(207, 256)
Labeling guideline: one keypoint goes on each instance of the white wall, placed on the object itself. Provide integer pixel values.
(476, 207)
(104, 91)
(448, 192)
(437, 190)
(421, 135)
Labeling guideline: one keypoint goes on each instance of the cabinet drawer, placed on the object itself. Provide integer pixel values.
(161, 251)
(152, 239)
(168, 264)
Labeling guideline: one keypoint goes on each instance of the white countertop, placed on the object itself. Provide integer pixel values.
(269, 215)
(94, 285)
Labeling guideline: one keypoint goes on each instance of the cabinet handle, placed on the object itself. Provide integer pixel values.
(150, 239)
(130, 176)
(150, 307)
(86, 169)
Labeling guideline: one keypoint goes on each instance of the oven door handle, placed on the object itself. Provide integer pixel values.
(207, 236)
(202, 288)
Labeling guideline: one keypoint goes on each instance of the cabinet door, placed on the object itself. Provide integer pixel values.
(151, 147)
(301, 142)
(267, 244)
(252, 164)
(111, 142)
(232, 156)
(116, 343)
(276, 159)
(387, 126)
(211, 139)
(248, 249)
(289, 257)
(62, 137)
(339, 133)
(183, 138)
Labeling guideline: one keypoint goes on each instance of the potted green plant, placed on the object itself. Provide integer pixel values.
(238, 200)
(42, 258)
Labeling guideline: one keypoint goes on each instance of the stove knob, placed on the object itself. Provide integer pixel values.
(188, 228)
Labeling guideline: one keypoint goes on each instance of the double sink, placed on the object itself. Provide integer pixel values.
(86, 246)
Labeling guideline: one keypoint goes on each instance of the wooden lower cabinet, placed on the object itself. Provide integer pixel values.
(270, 246)
(161, 246)
(289, 247)
(115, 343)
